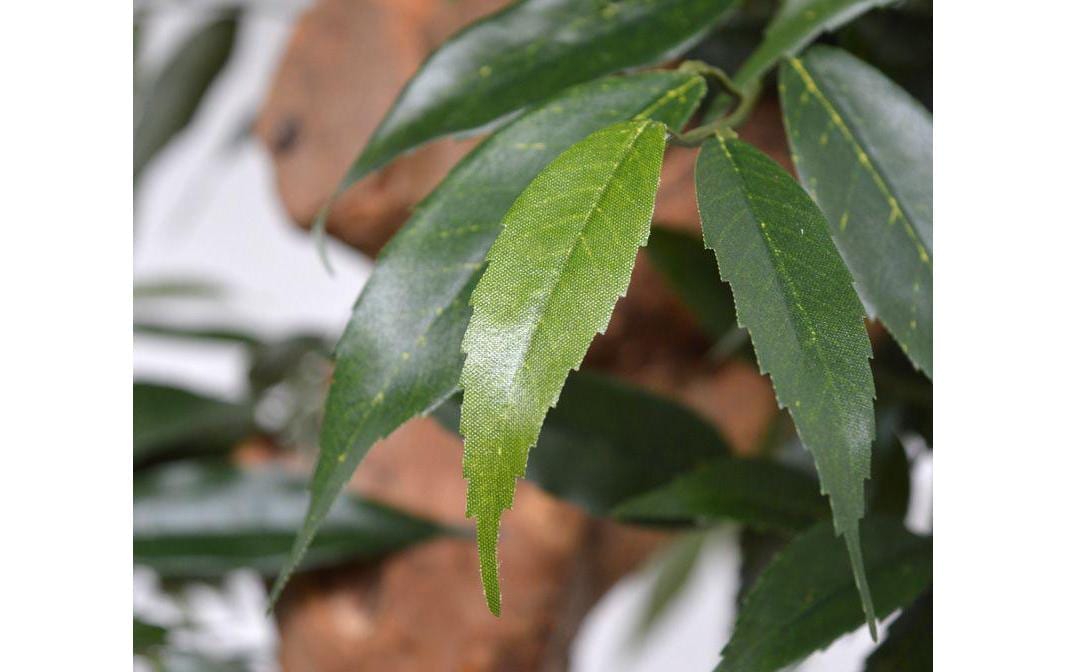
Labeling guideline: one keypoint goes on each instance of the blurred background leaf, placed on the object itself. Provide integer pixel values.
(202, 519)
(169, 102)
(169, 420)
(910, 644)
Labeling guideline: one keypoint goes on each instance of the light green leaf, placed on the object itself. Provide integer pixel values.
(794, 27)
(795, 296)
(863, 150)
(910, 644)
(524, 54)
(606, 441)
(168, 420)
(202, 519)
(762, 494)
(564, 257)
(400, 354)
(804, 600)
(174, 96)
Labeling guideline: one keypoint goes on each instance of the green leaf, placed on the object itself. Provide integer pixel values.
(202, 519)
(863, 150)
(692, 272)
(564, 257)
(794, 27)
(795, 296)
(606, 441)
(147, 637)
(400, 354)
(522, 55)
(759, 493)
(206, 333)
(175, 95)
(168, 420)
(889, 491)
(805, 600)
(910, 644)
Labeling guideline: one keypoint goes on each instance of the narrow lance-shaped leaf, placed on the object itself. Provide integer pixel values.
(863, 149)
(202, 519)
(174, 96)
(794, 27)
(169, 420)
(522, 55)
(606, 441)
(804, 600)
(762, 494)
(795, 296)
(400, 354)
(555, 272)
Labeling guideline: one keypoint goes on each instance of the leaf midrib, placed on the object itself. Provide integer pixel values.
(873, 166)
(551, 294)
(790, 289)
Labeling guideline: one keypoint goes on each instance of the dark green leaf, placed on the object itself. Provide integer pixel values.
(796, 25)
(890, 488)
(563, 258)
(400, 354)
(758, 549)
(805, 599)
(195, 519)
(863, 149)
(759, 493)
(147, 637)
(910, 644)
(693, 273)
(795, 296)
(169, 420)
(196, 333)
(524, 54)
(607, 441)
(175, 94)
(876, 39)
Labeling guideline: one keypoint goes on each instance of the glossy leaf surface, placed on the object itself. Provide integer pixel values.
(202, 519)
(174, 96)
(400, 354)
(759, 493)
(863, 150)
(795, 296)
(524, 54)
(562, 260)
(606, 441)
(794, 27)
(805, 598)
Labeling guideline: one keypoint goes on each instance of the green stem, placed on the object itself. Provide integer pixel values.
(742, 107)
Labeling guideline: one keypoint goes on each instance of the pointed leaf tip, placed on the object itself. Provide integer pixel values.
(796, 297)
(488, 535)
(563, 258)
